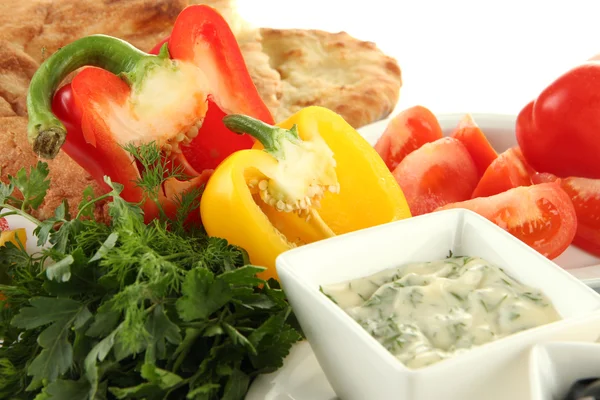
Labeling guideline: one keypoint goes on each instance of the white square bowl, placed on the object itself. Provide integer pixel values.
(359, 367)
(554, 367)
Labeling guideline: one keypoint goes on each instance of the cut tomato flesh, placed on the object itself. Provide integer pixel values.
(405, 133)
(542, 216)
(509, 170)
(470, 135)
(436, 174)
(585, 194)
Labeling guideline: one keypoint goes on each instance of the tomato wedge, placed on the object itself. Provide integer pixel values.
(541, 215)
(509, 170)
(585, 195)
(4, 224)
(436, 174)
(405, 133)
(479, 148)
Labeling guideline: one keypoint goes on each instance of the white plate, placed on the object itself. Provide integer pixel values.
(301, 377)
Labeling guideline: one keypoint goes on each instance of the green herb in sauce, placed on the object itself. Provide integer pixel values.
(426, 312)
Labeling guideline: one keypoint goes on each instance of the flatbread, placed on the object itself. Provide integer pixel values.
(16, 70)
(351, 77)
(43, 26)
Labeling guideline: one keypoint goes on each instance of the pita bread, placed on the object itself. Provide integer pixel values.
(336, 71)
(16, 70)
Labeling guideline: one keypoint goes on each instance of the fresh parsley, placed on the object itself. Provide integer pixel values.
(128, 310)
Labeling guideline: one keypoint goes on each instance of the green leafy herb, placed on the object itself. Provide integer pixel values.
(129, 310)
(330, 297)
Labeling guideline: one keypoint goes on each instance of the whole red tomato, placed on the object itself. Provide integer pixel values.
(559, 132)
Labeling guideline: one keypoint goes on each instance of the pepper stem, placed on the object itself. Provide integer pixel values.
(45, 132)
(271, 137)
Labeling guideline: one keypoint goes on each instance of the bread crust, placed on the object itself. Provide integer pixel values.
(333, 70)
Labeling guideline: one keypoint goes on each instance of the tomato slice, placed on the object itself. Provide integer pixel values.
(509, 170)
(585, 195)
(405, 133)
(541, 215)
(436, 174)
(4, 224)
(476, 143)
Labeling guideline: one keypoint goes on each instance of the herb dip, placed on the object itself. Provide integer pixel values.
(427, 312)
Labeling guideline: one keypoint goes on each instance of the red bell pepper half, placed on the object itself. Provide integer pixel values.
(209, 42)
(128, 96)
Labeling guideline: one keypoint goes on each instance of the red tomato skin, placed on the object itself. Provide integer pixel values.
(509, 170)
(405, 133)
(542, 216)
(469, 134)
(436, 174)
(585, 194)
(559, 132)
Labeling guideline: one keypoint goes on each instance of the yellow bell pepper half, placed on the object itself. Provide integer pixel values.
(14, 236)
(308, 178)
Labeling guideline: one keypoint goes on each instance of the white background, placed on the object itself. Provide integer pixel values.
(460, 55)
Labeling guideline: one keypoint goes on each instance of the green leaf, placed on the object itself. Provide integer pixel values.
(60, 271)
(159, 381)
(57, 354)
(46, 230)
(61, 212)
(237, 386)
(82, 345)
(98, 353)
(33, 186)
(10, 378)
(238, 339)
(81, 318)
(145, 391)
(81, 281)
(45, 310)
(203, 392)
(67, 389)
(108, 244)
(202, 295)
(6, 190)
(273, 340)
(42, 231)
(85, 208)
(12, 256)
(160, 328)
(160, 377)
(245, 275)
(105, 321)
(60, 239)
(247, 298)
(214, 330)
(191, 335)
